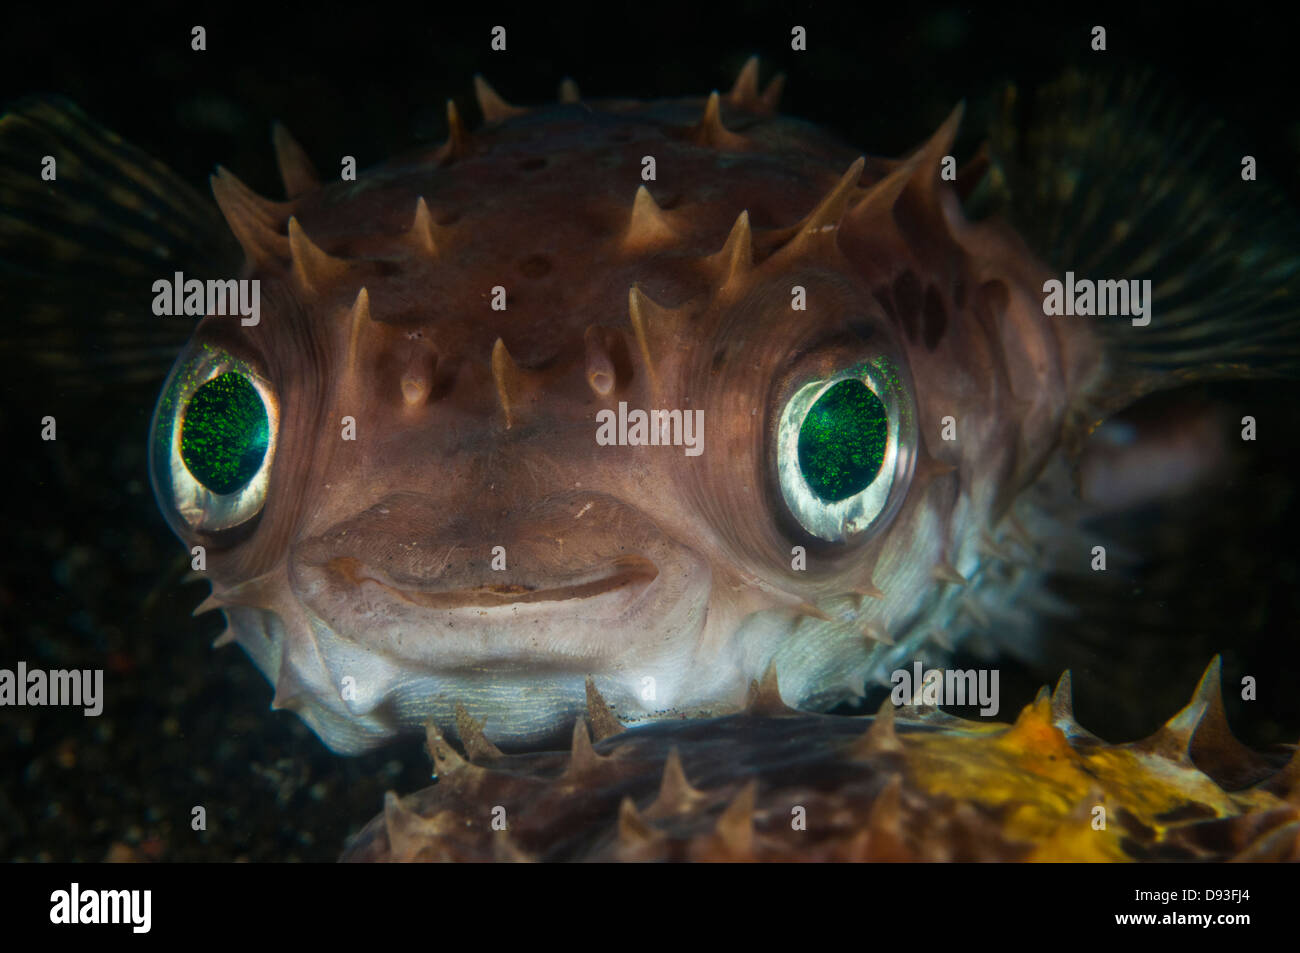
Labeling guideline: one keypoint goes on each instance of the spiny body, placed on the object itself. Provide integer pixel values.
(912, 783)
(359, 574)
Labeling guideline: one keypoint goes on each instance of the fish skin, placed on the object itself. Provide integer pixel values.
(340, 592)
(912, 783)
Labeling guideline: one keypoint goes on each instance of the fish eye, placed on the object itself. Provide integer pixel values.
(845, 444)
(213, 441)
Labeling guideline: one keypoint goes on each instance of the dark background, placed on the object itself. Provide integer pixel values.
(91, 577)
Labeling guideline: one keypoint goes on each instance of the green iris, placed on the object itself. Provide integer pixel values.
(842, 441)
(225, 433)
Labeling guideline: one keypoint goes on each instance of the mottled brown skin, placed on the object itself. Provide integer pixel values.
(369, 565)
(912, 785)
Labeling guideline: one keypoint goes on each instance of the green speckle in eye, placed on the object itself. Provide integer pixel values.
(842, 441)
(225, 433)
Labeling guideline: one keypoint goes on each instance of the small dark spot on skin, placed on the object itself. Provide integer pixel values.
(995, 296)
(718, 357)
(447, 217)
(862, 329)
(908, 299)
(670, 201)
(533, 164)
(907, 292)
(535, 266)
(886, 301)
(386, 269)
(936, 319)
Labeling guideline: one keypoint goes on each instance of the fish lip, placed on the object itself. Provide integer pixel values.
(626, 578)
(414, 582)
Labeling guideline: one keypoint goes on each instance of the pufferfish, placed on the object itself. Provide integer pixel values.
(842, 416)
(408, 505)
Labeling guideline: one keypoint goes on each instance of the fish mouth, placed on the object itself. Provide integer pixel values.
(622, 582)
(573, 581)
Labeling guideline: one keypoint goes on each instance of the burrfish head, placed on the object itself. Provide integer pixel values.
(660, 395)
